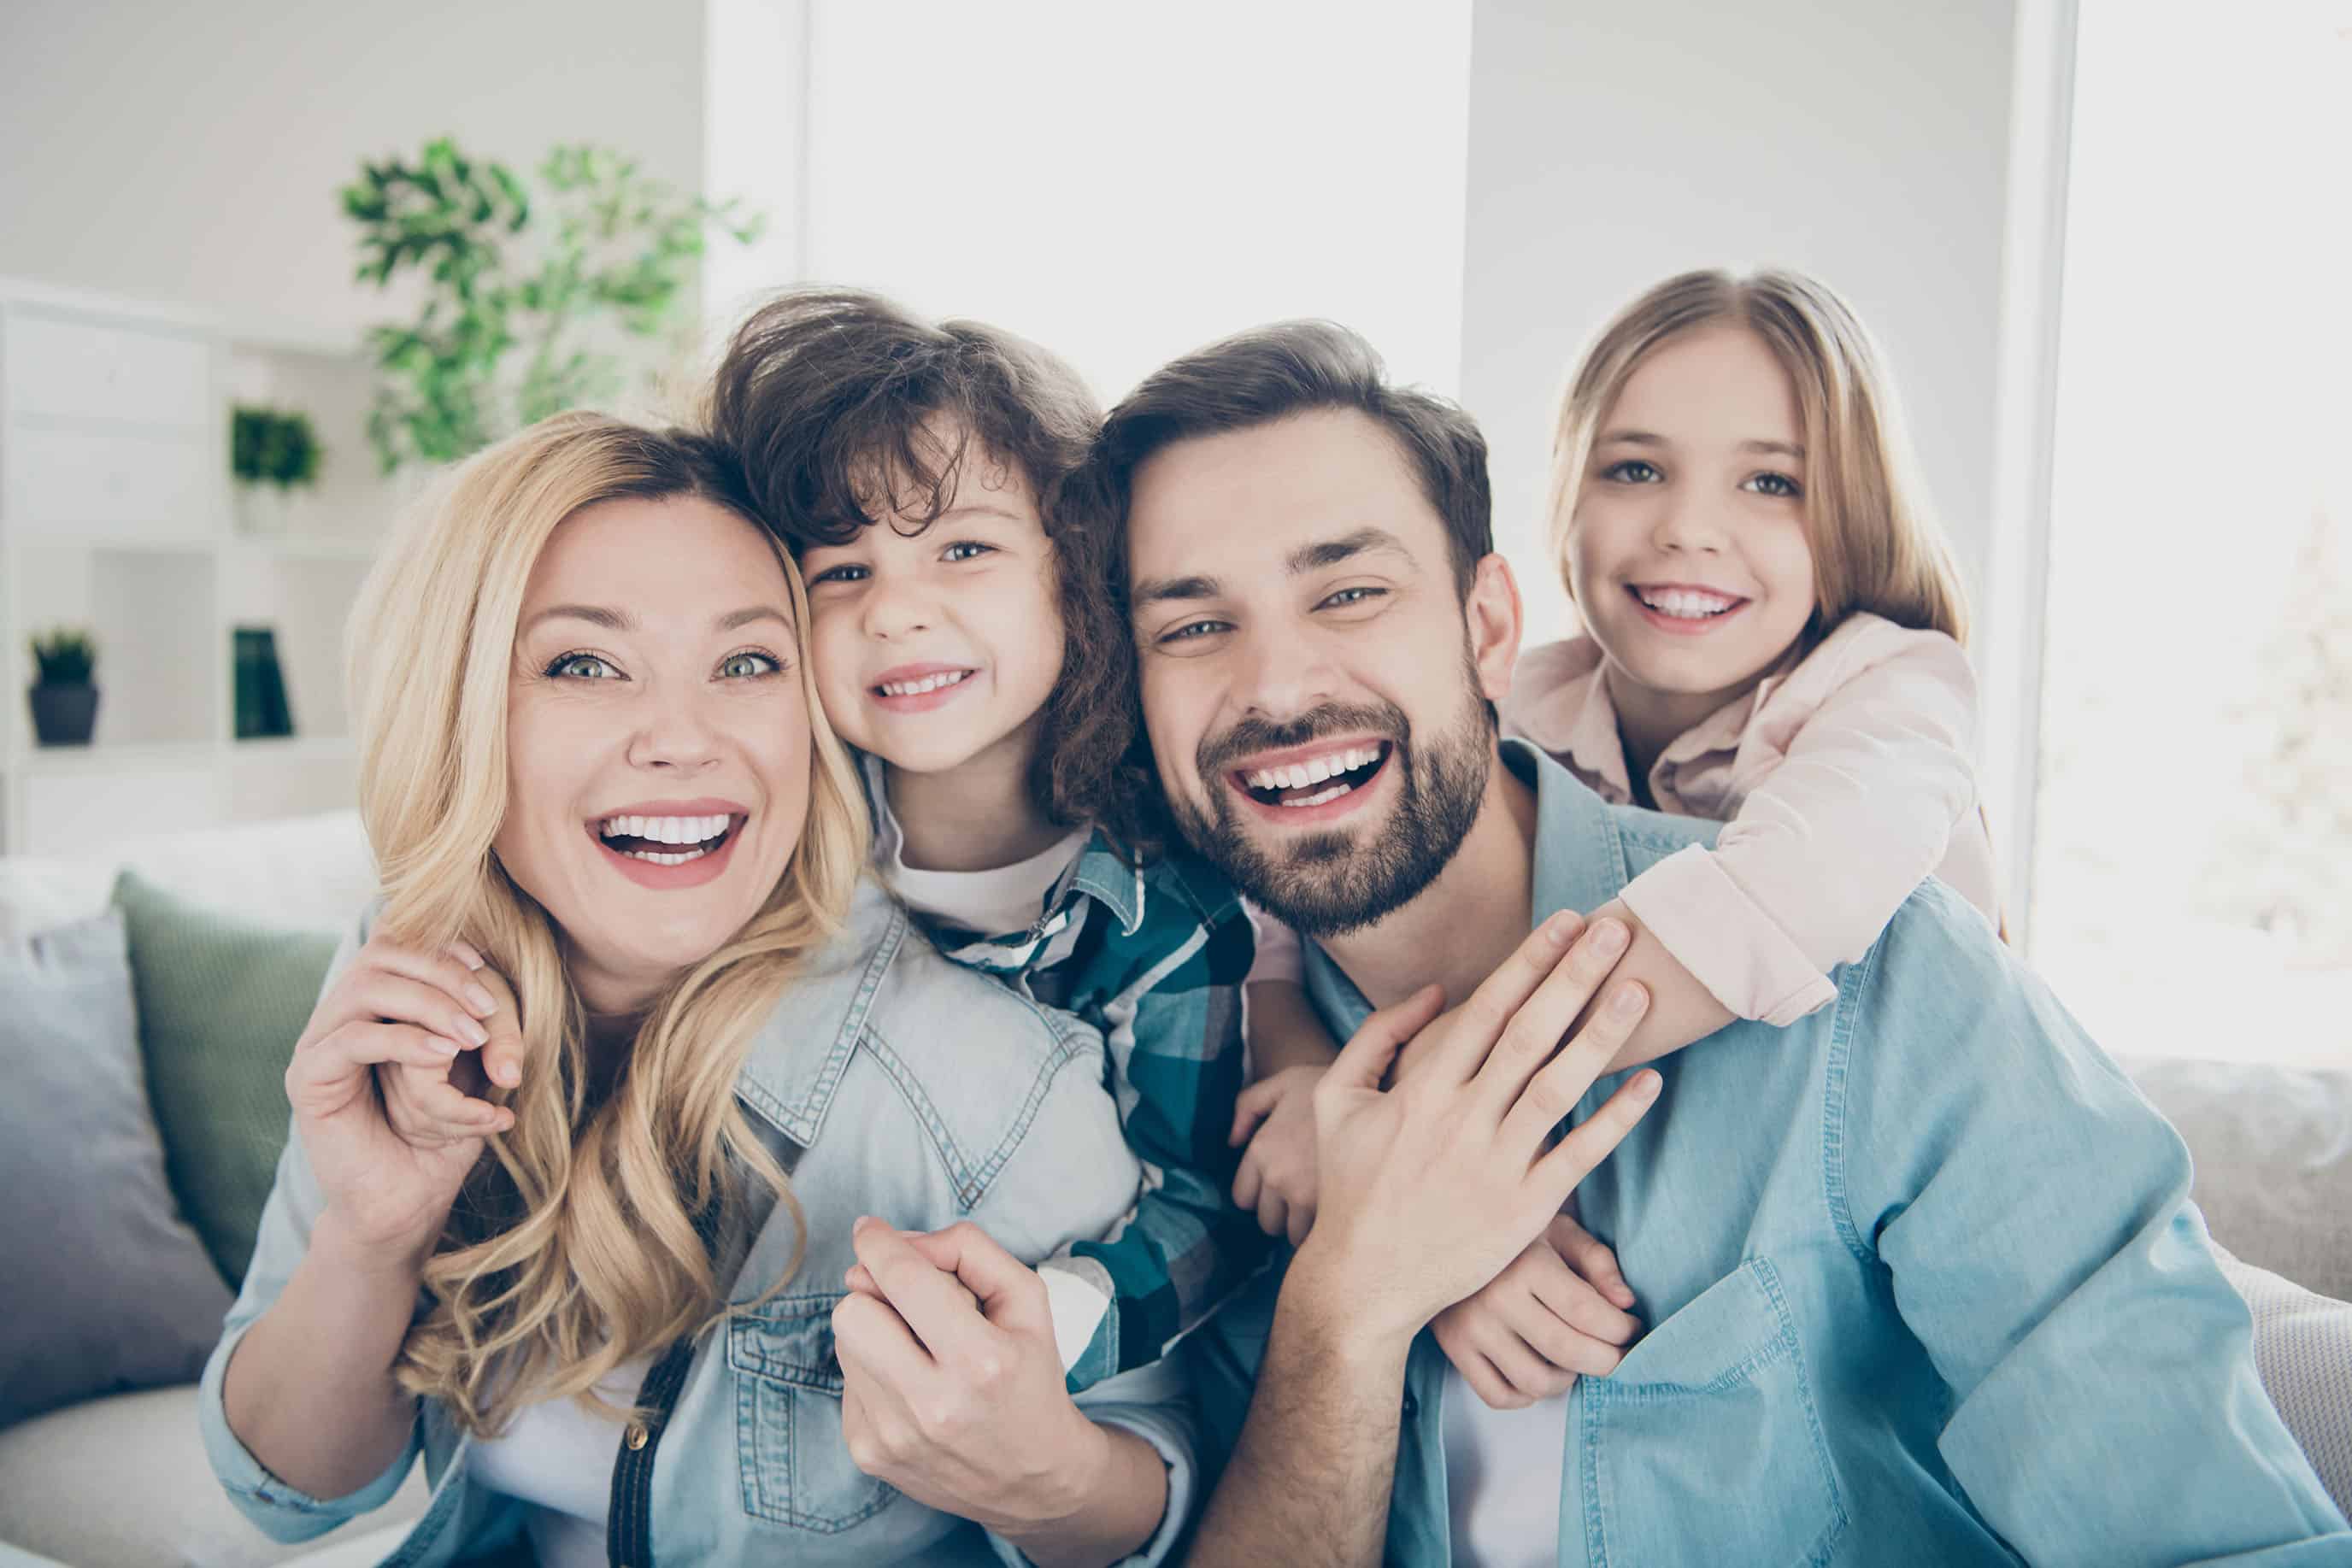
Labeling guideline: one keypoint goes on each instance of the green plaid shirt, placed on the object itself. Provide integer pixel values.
(1153, 955)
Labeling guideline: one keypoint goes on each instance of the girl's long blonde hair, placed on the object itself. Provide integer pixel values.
(1876, 546)
(583, 1241)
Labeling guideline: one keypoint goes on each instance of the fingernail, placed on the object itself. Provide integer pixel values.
(476, 1033)
(1627, 1001)
(480, 1000)
(1559, 928)
(1608, 938)
(466, 955)
(508, 1073)
(1646, 1085)
(445, 1046)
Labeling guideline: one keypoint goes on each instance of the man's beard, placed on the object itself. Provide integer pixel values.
(1329, 883)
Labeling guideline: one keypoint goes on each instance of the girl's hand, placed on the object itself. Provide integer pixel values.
(1557, 1312)
(1276, 1179)
(375, 1087)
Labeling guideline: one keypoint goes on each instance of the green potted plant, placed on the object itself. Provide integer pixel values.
(273, 452)
(65, 703)
(525, 294)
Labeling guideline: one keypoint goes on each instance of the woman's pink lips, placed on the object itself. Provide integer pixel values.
(666, 878)
(1679, 627)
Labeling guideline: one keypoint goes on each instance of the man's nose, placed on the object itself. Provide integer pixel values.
(1283, 675)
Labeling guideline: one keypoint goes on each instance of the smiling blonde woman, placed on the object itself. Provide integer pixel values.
(594, 1096)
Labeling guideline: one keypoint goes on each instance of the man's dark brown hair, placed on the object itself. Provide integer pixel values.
(844, 408)
(1267, 373)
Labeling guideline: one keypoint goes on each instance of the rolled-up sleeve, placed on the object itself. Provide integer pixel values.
(1156, 1403)
(1827, 846)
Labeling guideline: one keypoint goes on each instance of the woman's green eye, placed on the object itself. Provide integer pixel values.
(740, 665)
(582, 667)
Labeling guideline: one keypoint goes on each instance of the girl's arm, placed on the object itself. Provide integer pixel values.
(1280, 1023)
(1875, 784)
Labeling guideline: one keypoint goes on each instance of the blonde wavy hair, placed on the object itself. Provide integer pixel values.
(584, 1238)
(1876, 546)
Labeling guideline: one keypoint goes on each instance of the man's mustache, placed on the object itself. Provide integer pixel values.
(1217, 753)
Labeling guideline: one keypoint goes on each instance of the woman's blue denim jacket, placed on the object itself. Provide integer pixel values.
(892, 1082)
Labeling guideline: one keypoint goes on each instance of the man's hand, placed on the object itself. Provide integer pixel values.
(1276, 1179)
(952, 1387)
(1557, 1312)
(1429, 1188)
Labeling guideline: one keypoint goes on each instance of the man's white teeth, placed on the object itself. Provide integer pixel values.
(1319, 796)
(1684, 604)
(1299, 775)
(665, 829)
(928, 684)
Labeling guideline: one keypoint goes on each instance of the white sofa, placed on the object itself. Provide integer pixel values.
(2274, 1151)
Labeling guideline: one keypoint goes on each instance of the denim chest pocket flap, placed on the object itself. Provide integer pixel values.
(796, 1468)
(1706, 1444)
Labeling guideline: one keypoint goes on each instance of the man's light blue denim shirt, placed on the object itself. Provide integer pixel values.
(891, 1083)
(1922, 1281)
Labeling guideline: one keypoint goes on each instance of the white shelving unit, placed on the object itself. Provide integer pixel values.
(117, 513)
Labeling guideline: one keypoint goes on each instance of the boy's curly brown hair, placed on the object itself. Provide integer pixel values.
(846, 409)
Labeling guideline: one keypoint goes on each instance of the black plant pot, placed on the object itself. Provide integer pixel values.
(64, 715)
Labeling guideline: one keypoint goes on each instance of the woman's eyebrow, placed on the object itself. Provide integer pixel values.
(622, 621)
(750, 613)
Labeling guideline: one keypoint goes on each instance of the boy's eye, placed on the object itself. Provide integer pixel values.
(1633, 471)
(846, 573)
(967, 550)
(750, 663)
(1779, 485)
(582, 667)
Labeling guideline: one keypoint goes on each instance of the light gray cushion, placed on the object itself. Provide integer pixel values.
(157, 1503)
(102, 1285)
(2272, 1147)
(2302, 1347)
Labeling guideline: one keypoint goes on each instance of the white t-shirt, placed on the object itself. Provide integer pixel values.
(558, 1459)
(1504, 1470)
(994, 903)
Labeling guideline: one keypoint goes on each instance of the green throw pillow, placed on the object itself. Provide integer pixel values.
(221, 1003)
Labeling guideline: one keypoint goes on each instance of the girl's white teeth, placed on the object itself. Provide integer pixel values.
(1684, 605)
(928, 684)
(665, 829)
(1298, 776)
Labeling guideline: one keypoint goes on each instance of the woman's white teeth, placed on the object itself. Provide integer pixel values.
(1684, 605)
(1299, 775)
(665, 829)
(928, 684)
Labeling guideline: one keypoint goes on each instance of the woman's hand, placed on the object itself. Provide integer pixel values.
(375, 1087)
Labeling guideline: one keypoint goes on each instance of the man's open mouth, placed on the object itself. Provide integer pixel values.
(1317, 780)
(667, 841)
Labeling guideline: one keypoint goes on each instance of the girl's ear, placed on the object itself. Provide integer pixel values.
(1493, 616)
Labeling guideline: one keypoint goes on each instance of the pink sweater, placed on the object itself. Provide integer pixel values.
(1844, 779)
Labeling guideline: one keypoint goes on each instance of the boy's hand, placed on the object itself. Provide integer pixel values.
(1276, 1179)
(1556, 1312)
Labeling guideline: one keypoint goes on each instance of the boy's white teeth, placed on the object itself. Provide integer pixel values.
(665, 829)
(928, 684)
(1299, 775)
(1684, 604)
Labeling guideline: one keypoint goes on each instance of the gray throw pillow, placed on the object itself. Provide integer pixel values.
(2303, 1348)
(104, 1287)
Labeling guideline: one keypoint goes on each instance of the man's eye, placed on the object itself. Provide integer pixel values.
(1347, 596)
(1191, 631)
(749, 665)
(1633, 471)
(582, 667)
(1781, 485)
(840, 574)
(966, 549)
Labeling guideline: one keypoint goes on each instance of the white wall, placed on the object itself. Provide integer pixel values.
(1612, 145)
(1123, 183)
(192, 153)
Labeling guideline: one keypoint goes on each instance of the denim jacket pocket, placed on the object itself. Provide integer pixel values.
(1706, 1444)
(796, 1465)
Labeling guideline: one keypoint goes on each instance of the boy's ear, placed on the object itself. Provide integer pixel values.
(1494, 618)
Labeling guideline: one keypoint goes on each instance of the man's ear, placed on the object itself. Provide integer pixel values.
(1493, 616)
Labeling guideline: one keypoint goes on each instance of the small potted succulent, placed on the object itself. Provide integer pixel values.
(272, 452)
(65, 703)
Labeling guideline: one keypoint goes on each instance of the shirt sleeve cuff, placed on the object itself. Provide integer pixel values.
(1724, 939)
(282, 1512)
(1078, 1294)
(1277, 957)
(1154, 1403)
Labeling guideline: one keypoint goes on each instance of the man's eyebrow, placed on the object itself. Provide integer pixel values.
(1331, 552)
(1154, 590)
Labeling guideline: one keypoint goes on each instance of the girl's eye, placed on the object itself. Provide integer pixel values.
(582, 667)
(967, 550)
(1633, 471)
(1347, 596)
(1779, 485)
(840, 574)
(751, 664)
